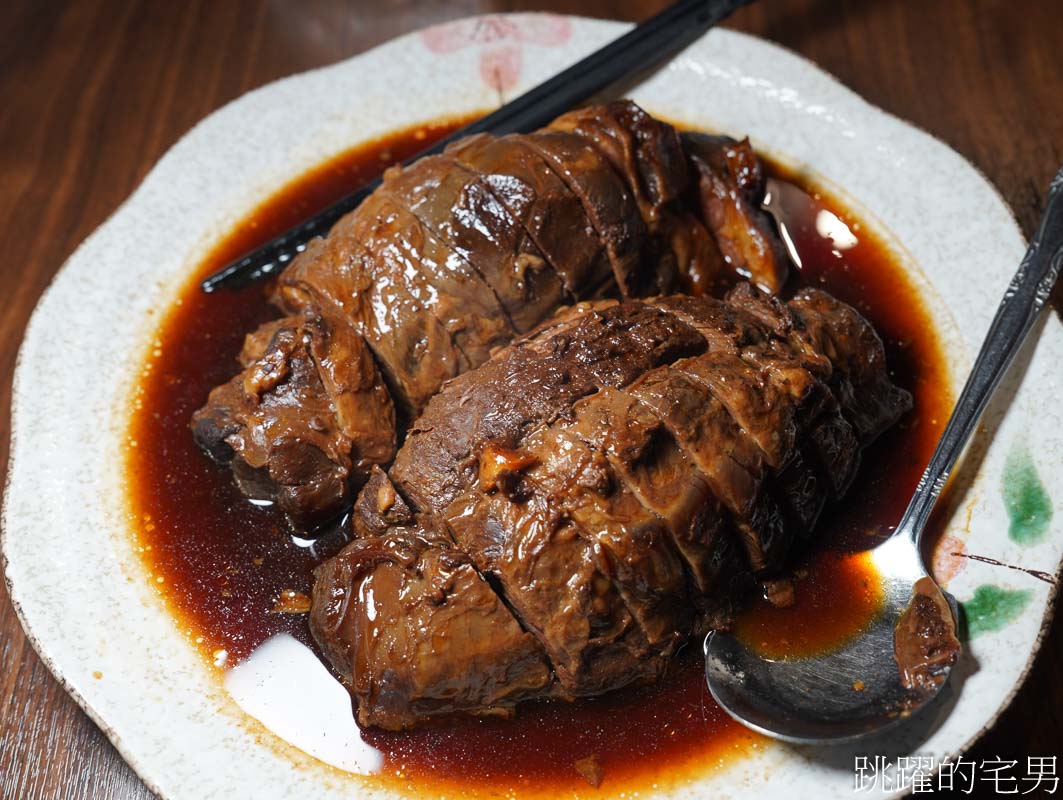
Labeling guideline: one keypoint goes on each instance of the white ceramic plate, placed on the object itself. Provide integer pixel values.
(83, 595)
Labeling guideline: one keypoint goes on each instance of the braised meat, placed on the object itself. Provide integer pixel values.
(308, 411)
(452, 258)
(425, 598)
(579, 506)
(730, 186)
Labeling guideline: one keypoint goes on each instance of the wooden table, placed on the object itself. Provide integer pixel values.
(94, 92)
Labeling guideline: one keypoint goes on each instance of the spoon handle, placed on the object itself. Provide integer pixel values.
(1026, 295)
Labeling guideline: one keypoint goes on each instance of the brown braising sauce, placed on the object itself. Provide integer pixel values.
(221, 563)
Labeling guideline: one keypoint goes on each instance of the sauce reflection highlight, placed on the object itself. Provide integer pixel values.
(836, 595)
(287, 688)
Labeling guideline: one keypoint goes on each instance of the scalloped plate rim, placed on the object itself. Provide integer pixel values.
(37, 328)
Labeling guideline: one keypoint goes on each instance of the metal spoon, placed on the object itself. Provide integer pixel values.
(858, 688)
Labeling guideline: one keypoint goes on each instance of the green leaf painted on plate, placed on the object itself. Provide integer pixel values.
(991, 608)
(1028, 505)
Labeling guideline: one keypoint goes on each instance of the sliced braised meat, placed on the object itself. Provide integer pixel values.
(645, 456)
(392, 612)
(606, 201)
(832, 438)
(645, 151)
(764, 408)
(780, 321)
(870, 400)
(368, 273)
(599, 127)
(527, 386)
(309, 411)
(457, 253)
(548, 210)
(557, 584)
(730, 189)
(732, 463)
(462, 299)
(460, 208)
(648, 156)
(593, 480)
(757, 405)
(768, 390)
(643, 562)
(828, 335)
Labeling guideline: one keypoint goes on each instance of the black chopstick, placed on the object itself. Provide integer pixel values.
(648, 44)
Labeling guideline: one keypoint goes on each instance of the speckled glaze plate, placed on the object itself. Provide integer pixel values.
(84, 596)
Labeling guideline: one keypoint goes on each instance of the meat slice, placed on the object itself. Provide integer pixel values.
(869, 399)
(309, 411)
(528, 385)
(783, 390)
(731, 462)
(648, 156)
(758, 406)
(842, 347)
(557, 583)
(645, 457)
(462, 300)
(645, 151)
(770, 393)
(831, 438)
(547, 209)
(678, 227)
(765, 408)
(730, 188)
(465, 214)
(781, 322)
(368, 273)
(606, 201)
(391, 612)
(643, 562)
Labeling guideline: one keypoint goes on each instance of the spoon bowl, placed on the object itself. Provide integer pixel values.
(836, 696)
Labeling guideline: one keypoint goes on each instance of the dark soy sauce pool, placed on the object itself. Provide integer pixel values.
(221, 563)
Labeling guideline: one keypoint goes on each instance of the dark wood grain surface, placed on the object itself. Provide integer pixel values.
(93, 92)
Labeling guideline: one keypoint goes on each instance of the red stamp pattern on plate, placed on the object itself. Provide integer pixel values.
(501, 42)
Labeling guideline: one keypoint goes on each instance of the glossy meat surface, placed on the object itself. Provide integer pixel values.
(730, 187)
(309, 410)
(617, 479)
(459, 253)
(427, 600)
